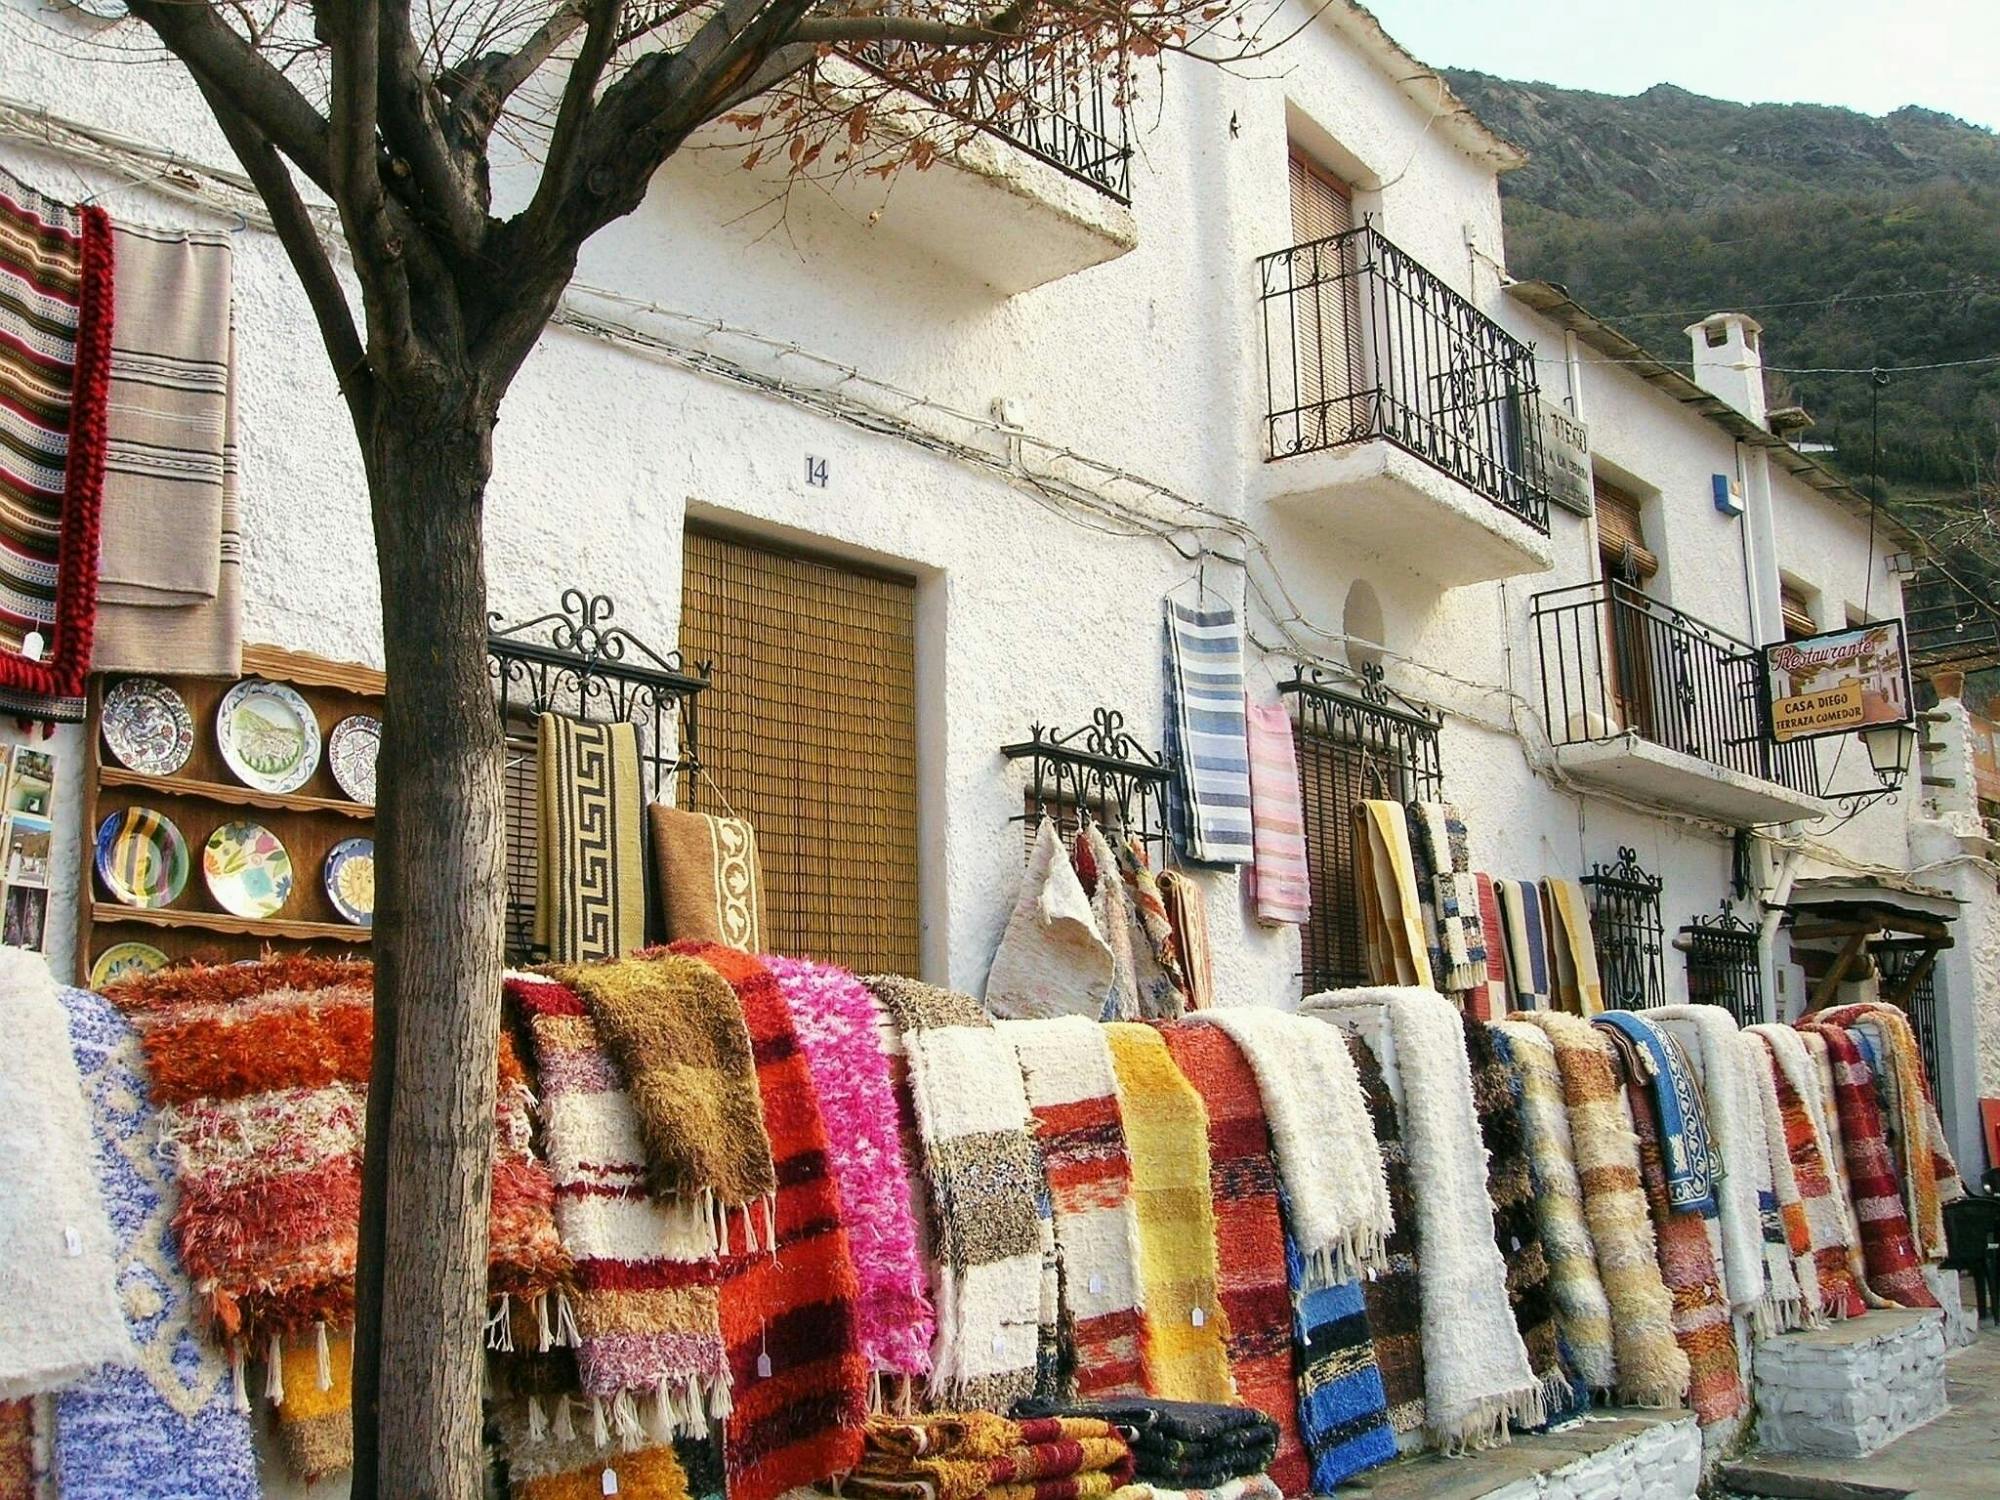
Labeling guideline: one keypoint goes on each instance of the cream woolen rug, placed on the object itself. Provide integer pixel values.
(57, 1272)
(1476, 1373)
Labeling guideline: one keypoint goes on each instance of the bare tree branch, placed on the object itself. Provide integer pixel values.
(225, 62)
(480, 89)
(828, 30)
(572, 120)
(447, 194)
(351, 33)
(300, 236)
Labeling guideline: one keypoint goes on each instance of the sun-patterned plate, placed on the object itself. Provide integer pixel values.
(350, 880)
(351, 750)
(247, 870)
(268, 735)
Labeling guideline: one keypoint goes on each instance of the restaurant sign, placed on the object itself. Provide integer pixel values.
(1565, 445)
(1837, 683)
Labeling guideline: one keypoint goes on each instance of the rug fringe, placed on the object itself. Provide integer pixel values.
(538, 1422)
(239, 1397)
(274, 1372)
(566, 1330)
(563, 1429)
(322, 1357)
(499, 1333)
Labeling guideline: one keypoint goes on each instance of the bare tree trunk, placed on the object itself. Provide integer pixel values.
(440, 852)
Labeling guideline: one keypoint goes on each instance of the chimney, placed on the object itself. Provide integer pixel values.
(1729, 360)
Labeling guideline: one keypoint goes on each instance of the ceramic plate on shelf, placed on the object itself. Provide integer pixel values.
(268, 735)
(123, 961)
(351, 750)
(350, 880)
(147, 726)
(247, 870)
(141, 857)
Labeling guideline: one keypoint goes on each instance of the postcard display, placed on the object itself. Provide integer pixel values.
(27, 810)
(220, 857)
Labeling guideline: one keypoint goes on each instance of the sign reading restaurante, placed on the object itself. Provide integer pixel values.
(1838, 682)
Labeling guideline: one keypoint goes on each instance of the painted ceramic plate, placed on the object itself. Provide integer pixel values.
(141, 857)
(247, 869)
(268, 735)
(123, 960)
(147, 726)
(351, 750)
(350, 880)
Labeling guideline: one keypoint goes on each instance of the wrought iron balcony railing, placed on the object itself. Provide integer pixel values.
(1361, 341)
(1614, 662)
(1054, 102)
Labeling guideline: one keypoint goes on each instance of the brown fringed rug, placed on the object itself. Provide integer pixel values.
(1395, 1301)
(1510, 1183)
(709, 879)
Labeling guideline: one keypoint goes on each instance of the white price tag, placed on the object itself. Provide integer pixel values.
(610, 1481)
(1096, 1283)
(1371, 1273)
(72, 1241)
(763, 1367)
(32, 645)
(1513, 1242)
(999, 1343)
(1197, 1317)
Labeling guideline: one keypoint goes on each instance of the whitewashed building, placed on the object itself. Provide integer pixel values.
(954, 437)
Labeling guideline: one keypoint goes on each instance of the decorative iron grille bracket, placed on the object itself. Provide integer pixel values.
(1625, 921)
(1357, 740)
(576, 663)
(1723, 964)
(1097, 768)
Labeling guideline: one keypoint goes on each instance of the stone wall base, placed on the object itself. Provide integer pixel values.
(1846, 1390)
(1624, 1455)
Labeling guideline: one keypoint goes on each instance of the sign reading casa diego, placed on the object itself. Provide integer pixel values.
(1838, 682)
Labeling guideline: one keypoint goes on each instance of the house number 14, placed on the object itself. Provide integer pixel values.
(816, 472)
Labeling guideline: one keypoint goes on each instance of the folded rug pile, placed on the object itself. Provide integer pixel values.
(979, 1455)
(1182, 1444)
(1256, 1487)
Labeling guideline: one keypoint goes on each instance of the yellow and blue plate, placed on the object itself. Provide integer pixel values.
(125, 960)
(141, 857)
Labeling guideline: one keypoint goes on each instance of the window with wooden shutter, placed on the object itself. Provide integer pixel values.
(1796, 610)
(1327, 310)
(1621, 534)
(808, 729)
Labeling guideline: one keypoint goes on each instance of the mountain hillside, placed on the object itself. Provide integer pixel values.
(1857, 241)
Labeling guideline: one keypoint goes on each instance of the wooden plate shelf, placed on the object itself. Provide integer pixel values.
(203, 795)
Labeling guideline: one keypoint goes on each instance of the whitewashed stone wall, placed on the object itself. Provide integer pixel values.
(1845, 1391)
(1664, 1463)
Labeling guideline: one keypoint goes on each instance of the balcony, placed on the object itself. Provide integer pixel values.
(1650, 703)
(1028, 186)
(1398, 415)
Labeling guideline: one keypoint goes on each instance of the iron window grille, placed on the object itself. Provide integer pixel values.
(1614, 662)
(1362, 341)
(1097, 768)
(1630, 936)
(1909, 978)
(1046, 96)
(576, 663)
(1723, 966)
(1949, 626)
(1356, 742)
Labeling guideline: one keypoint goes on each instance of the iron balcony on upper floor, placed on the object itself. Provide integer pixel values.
(1030, 184)
(1645, 700)
(1398, 415)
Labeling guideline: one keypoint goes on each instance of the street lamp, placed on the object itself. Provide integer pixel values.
(1889, 749)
